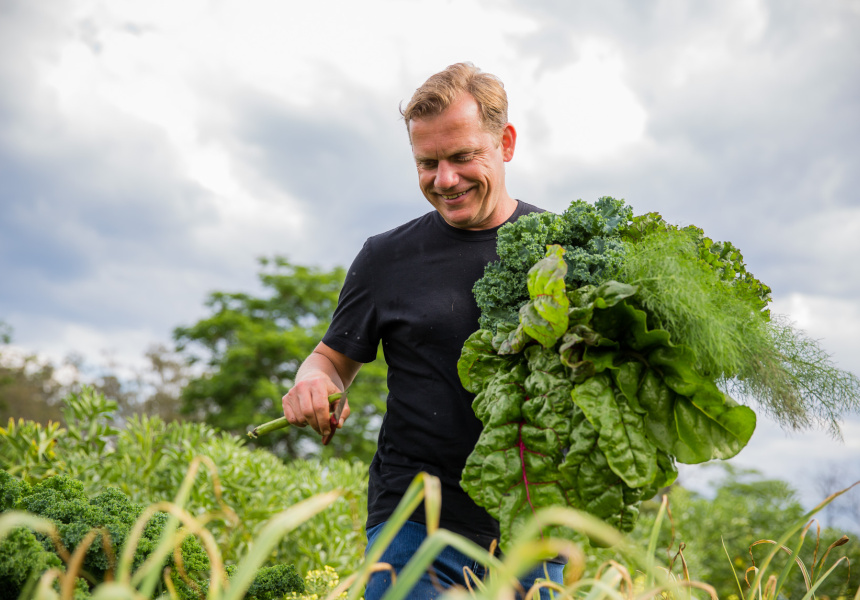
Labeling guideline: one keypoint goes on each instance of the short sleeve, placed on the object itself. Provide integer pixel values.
(353, 330)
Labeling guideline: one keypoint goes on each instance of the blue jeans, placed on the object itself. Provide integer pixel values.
(447, 568)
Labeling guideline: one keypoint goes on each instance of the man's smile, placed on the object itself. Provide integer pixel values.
(454, 196)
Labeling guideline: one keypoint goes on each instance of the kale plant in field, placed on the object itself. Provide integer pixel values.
(62, 500)
(607, 347)
(25, 555)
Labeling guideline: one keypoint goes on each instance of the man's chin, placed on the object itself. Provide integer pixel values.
(461, 219)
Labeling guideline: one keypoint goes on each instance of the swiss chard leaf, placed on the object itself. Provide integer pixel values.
(629, 452)
(478, 361)
(526, 413)
(591, 485)
(544, 317)
(709, 424)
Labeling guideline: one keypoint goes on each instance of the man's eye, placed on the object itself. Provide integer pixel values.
(426, 164)
(464, 158)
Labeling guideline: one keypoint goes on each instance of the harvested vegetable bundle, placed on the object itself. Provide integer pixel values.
(607, 345)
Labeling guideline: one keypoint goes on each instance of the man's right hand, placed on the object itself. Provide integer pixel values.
(323, 373)
(307, 404)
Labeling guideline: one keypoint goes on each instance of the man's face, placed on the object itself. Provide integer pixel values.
(461, 166)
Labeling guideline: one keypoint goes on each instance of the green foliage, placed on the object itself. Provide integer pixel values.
(159, 453)
(589, 235)
(318, 584)
(795, 381)
(252, 347)
(631, 373)
(62, 500)
(272, 583)
(22, 559)
(738, 510)
(716, 308)
(27, 449)
(593, 417)
(686, 296)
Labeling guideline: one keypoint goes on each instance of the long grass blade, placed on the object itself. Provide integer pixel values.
(820, 580)
(417, 491)
(791, 531)
(150, 581)
(817, 568)
(67, 585)
(45, 586)
(652, 541)
(269, 537)
(13, 519)
(165, 546)
(427, 552)
(734, 572)
(793, 560)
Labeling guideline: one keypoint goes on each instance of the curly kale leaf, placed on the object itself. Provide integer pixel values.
(273, 583)
(62, 499)
(589, 234)
(23, 559)
(11, 490)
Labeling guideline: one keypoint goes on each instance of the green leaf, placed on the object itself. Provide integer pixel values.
(710, 424)
(658, 401)
(591, 485)
(629, 453)
(545, 317)
(526, 411)
(478, 361)
(612, 292)
(510, 339)
(502, 399)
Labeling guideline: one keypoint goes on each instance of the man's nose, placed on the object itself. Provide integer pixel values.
(446, 175)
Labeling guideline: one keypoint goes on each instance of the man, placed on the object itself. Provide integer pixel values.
(411, 289)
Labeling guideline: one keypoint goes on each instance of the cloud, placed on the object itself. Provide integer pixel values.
(751, 127)
(149, 152)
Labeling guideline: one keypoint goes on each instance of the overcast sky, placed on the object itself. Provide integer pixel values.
(150, 152)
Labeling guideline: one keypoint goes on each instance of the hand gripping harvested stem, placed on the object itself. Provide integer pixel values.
(336, 403)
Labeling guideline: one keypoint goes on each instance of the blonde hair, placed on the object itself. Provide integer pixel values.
(444, 88)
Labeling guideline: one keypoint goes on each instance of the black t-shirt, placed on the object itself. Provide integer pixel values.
(411, 289)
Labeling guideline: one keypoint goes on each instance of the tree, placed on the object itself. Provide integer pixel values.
(28, 386)
(251, 349)
(32, 386)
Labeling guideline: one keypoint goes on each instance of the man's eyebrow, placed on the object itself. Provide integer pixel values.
(457, 152)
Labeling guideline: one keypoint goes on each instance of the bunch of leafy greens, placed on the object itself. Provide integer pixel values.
(607, 345)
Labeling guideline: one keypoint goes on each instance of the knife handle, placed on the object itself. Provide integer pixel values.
(326, 439)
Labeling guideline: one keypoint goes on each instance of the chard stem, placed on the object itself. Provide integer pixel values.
(282, 422)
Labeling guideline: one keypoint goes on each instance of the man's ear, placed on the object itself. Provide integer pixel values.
(508, 142)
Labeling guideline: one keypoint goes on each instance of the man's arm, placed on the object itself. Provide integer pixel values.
(323, 373)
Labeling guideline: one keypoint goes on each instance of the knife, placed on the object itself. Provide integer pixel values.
(336, 409)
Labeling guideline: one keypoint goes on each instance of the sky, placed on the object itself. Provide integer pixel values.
(151, 152)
